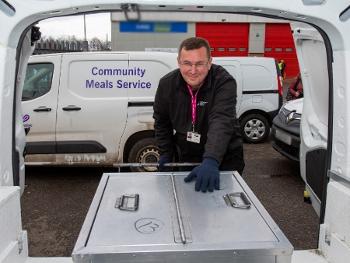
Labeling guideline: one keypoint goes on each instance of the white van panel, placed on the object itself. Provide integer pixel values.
(152, 72)
(258, 77)
(90, 123)
(140, 106)
(264, 102)
(257, 87)
(98, 79)
(39, 114)
(42, 123)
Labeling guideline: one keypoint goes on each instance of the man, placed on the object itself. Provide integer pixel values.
(282, 67)
(295, 90)
(195, 112)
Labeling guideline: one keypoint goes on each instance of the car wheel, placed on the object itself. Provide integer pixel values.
(255, 128)
(144, 151)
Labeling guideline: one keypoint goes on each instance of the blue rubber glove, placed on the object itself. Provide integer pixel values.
(207, 175)
(163, 159)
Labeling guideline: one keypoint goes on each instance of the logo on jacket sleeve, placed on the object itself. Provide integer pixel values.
(201, 103)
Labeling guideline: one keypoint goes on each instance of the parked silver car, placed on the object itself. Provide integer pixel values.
(286, 129)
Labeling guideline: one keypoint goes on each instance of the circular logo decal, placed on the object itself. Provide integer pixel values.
(148, 225)
(25, 118)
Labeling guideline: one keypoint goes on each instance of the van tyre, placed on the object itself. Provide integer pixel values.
(144, 151)
(255, 128)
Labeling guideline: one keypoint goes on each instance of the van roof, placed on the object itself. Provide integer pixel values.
(153, 54)
(246, 59)
(87, 53)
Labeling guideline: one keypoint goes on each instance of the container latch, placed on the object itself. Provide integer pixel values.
(128, 202)
(237, 200)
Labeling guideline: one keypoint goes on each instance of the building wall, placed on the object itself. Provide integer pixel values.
(228, 35)
(139, 41)
(142, 41)
(279, 44)
(225, 39)
(256, 39)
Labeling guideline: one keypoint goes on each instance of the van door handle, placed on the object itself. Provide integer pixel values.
(42, 108)
(71, 108)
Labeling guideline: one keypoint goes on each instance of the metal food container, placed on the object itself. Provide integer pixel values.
(157, 217)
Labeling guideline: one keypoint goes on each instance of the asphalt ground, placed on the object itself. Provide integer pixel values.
(56, 200)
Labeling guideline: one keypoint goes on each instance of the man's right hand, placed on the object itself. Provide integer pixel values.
(207, 176)
(163, 159)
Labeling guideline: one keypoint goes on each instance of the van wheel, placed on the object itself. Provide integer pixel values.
(144, 151)
(255, 128)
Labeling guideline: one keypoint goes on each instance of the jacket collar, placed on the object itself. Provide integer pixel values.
(206, 84)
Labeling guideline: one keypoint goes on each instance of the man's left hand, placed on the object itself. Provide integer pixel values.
(207, 175)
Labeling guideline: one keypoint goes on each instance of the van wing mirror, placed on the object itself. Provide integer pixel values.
(35, 35)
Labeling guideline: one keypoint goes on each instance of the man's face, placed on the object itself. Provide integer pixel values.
(194, 66)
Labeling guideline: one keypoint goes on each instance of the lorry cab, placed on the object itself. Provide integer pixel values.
(325, 123)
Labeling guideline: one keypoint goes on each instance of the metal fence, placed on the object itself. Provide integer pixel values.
(60, 46)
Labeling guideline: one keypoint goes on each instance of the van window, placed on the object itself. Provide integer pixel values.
(38, 80)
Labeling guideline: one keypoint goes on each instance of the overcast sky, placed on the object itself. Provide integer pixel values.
(97, 25)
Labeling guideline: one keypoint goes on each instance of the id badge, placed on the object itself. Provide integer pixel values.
(193, 137)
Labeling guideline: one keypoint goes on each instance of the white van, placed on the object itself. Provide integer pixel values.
(96, 108)
(331, 18)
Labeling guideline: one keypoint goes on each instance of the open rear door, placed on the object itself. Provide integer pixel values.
(25, 51)
(312, 59)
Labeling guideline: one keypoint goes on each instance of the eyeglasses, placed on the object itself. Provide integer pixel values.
(197, 65)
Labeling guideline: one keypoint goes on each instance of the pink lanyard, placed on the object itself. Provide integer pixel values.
(194, 105)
